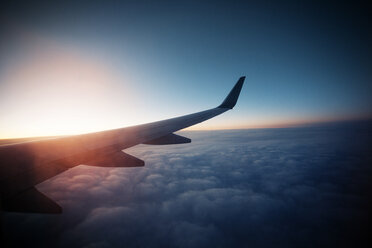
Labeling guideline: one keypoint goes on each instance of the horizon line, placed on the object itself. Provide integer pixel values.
(273, 126)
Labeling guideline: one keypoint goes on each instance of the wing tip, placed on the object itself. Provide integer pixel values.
(232, 97)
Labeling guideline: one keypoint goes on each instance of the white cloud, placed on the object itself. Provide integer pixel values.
(252, 189)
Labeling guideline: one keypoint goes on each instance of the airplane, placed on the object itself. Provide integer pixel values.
(25, 163)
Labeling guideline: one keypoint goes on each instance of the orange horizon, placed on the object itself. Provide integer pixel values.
(214, 128)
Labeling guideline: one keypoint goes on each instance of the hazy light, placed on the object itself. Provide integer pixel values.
(51, 89)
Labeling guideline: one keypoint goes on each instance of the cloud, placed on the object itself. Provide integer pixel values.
(261, 188)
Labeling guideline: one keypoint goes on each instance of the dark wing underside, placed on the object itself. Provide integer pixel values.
(27, 163)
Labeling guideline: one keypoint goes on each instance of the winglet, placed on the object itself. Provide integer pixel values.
(233, 96)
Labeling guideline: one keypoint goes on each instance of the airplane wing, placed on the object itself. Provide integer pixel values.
(26, 163)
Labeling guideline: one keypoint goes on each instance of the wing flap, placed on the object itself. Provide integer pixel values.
(170, 139)
(118, 159)
(31, 201)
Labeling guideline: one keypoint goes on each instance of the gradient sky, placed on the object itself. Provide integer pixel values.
(93, 65)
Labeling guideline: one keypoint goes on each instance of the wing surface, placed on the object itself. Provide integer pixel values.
(29, 162)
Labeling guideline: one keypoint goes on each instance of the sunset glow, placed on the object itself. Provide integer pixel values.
(54, 90)
(55, 85)
(185, 124)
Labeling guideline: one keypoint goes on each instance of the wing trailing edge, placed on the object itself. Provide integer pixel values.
(170, 139)
(31, 201)
(117, 159)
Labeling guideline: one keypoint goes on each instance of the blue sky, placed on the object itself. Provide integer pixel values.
(304, 62)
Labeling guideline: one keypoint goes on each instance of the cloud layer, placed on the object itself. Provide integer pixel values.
(300, 187)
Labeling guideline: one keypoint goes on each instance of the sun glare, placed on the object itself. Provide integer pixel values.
(53, 90)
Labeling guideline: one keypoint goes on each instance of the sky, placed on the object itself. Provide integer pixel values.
(83, 66)
(285, 187)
